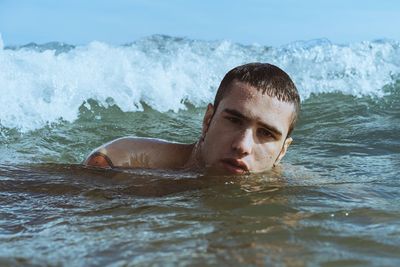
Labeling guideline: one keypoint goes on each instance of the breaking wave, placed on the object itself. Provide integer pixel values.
(41, 84)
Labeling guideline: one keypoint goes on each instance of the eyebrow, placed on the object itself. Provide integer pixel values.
(271, 128)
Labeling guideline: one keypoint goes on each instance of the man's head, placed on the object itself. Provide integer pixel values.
(264, 77)
(248, 127)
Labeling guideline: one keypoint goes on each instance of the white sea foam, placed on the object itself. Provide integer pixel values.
(40, 84)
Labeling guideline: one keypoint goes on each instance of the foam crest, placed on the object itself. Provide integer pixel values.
(40, 84)
(359, 69)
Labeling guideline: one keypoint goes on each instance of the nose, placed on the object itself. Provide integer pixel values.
(243, 143)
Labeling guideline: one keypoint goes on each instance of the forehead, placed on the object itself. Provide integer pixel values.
(258, 106)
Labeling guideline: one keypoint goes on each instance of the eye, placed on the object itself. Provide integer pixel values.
(264, 133)
(233, 120)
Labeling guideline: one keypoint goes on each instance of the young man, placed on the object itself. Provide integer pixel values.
(247, 130)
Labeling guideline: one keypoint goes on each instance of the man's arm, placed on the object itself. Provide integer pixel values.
(132, 152)
(98, 159)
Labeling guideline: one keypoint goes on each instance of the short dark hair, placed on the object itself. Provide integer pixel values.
(268, 78)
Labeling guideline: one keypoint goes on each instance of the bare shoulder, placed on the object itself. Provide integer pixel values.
(136, 152)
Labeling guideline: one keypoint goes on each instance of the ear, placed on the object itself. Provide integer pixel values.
(285, 146)
(207, 119)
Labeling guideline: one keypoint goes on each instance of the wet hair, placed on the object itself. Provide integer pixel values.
(268, 79)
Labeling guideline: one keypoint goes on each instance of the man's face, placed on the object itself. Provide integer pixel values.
(246, 133)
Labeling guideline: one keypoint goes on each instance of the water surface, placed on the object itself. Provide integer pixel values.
(333, 202)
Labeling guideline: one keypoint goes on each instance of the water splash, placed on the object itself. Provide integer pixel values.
(40, 84)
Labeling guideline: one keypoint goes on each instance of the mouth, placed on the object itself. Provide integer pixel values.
(235, 166)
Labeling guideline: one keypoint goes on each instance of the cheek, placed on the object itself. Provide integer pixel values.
(266, 154)
(217, 142)
(211, 143)
(217, 132)
(214, 142)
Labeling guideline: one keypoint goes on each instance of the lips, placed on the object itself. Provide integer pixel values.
(235, 166)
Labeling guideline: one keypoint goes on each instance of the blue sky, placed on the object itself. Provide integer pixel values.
(253, 21)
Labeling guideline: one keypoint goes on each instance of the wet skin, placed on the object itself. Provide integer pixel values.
(246, 133)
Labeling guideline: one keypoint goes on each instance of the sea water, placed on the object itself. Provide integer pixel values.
(335, 200)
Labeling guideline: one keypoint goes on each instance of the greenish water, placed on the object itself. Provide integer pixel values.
(335, 202)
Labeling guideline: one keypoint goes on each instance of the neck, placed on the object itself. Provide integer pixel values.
(195, 161)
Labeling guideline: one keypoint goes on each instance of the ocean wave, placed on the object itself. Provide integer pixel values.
(41, 83)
